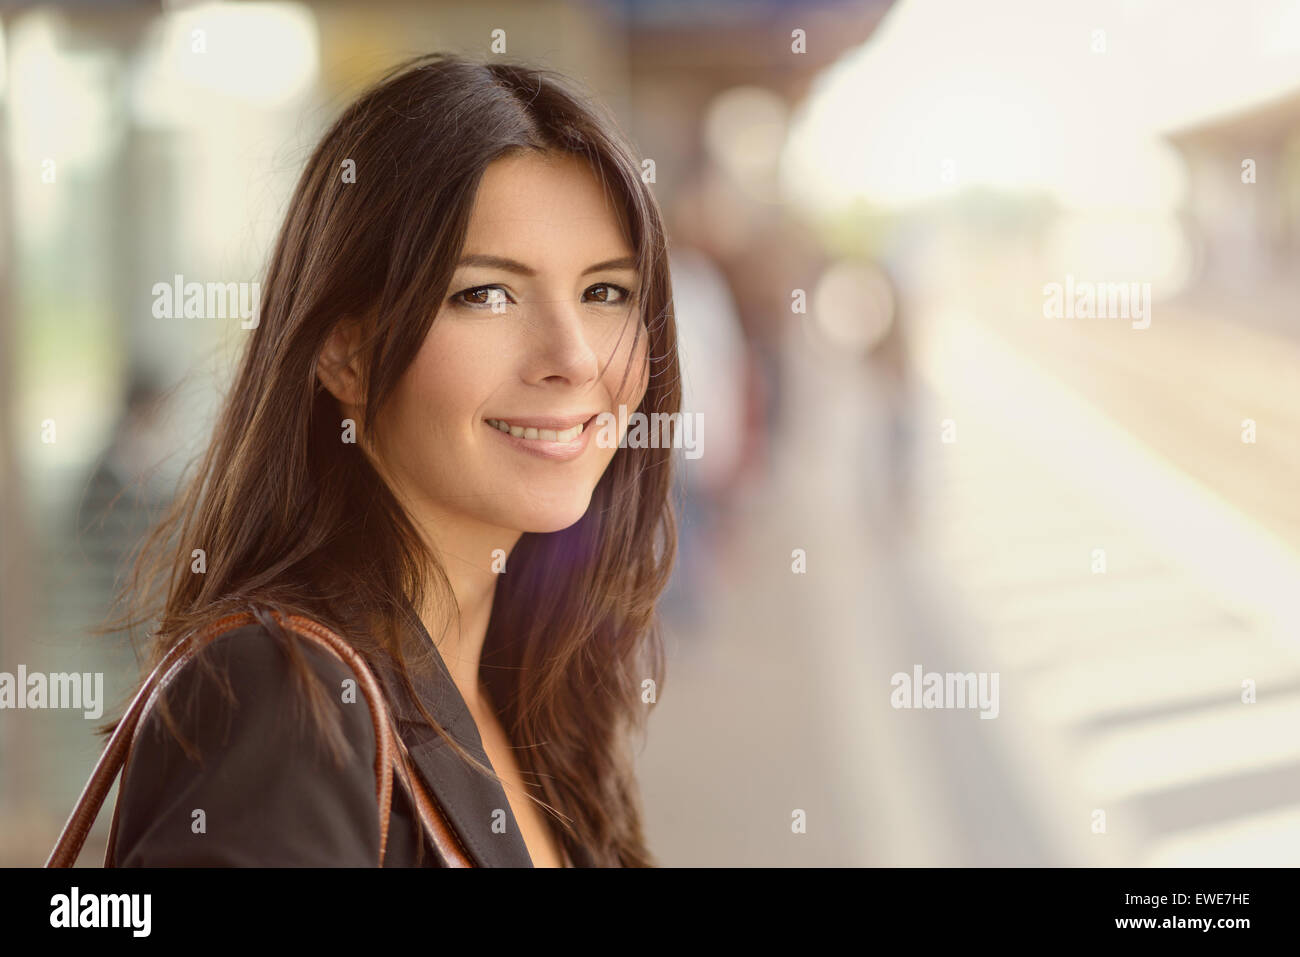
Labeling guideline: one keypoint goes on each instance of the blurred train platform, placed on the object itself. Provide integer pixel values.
(1070, 545)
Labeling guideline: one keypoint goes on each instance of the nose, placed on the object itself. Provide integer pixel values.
(565, 345)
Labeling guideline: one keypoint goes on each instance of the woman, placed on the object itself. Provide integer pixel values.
(467, 301)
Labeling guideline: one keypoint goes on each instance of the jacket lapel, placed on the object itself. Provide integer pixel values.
(468, 797)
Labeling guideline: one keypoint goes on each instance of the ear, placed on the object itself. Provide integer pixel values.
(338, 367)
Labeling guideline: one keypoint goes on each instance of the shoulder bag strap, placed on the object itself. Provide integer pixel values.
(451, 852)
(390, 752)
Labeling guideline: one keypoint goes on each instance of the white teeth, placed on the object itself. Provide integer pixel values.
(545, 435)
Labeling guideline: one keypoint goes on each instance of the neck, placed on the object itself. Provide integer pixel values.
(465, 549)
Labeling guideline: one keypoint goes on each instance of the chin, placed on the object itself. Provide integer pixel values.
(549, 517)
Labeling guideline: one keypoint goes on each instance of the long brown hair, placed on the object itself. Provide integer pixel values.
(294, 521)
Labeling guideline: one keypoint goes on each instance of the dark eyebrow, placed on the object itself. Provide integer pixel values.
(513, 265)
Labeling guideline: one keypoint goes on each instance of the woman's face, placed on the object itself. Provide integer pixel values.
(543, 347)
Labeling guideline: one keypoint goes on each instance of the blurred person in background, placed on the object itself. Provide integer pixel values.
(715, 370)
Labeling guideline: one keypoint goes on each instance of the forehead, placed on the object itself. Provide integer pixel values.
(544, 209)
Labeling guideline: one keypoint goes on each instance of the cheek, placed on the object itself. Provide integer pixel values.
(452, 375)
(634, 363)
(435, 401)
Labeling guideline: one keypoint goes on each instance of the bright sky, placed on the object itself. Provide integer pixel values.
(1009, 93)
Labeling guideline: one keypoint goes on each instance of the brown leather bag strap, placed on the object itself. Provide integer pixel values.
(441, 834)
(87, 808)
(435, 825)
(388, 754)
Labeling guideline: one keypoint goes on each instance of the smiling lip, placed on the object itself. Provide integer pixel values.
(543, 448)
(555, 423)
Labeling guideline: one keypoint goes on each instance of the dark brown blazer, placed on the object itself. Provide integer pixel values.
(270, 792)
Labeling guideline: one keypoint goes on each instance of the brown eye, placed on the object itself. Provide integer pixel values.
(609, 292)
(478, 297)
